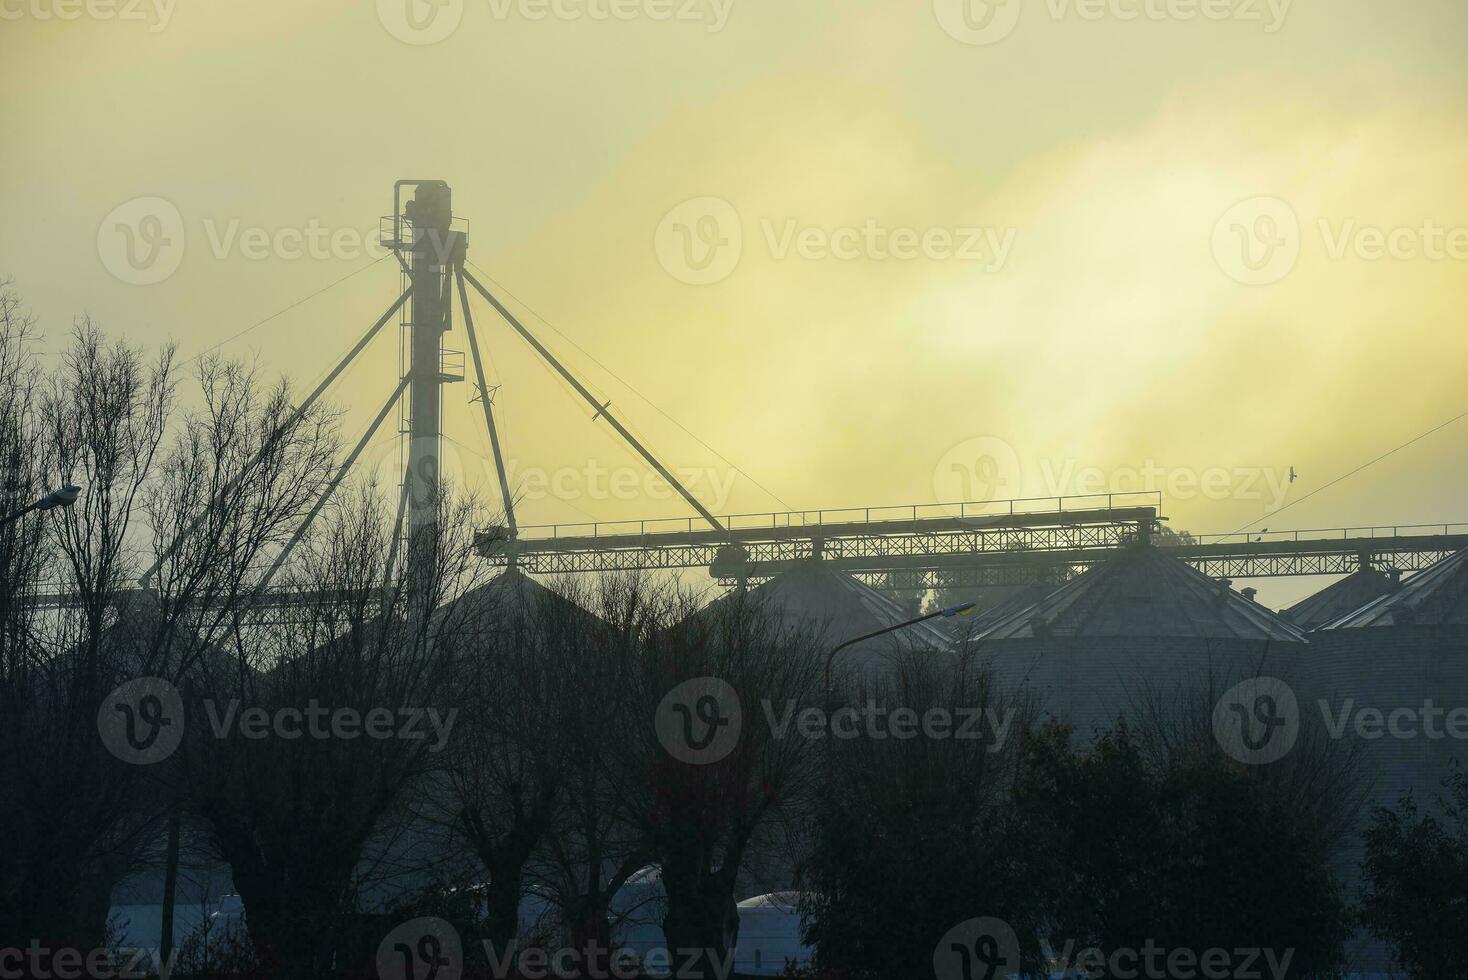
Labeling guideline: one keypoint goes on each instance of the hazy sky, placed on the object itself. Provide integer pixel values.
(874, 253)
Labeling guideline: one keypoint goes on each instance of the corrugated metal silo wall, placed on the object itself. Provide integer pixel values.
(1393, 669)
(1089, 682)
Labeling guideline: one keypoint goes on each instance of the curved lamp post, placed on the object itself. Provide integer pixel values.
(63, 497)
(948, 613)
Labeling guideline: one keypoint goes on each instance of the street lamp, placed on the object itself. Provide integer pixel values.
(64, 497)
(947, 613)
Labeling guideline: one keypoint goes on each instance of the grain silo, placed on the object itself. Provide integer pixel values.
(1393, 676)
(1364, 585)
(1000, 605)
(770, 943)
(1139, 626)
(815, 595)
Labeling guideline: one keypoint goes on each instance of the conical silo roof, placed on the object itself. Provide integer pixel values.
(813, 593)
(1436, 596)
(1143, 592)
(509, 596)
(1018, 599)
(1349, 594)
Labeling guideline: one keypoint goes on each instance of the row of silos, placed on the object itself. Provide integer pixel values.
(1131, 635)
(1391, 679)
(1145, 633)
(1138, 629)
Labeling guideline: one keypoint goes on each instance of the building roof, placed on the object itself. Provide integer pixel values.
(508, 596)
(1435, 596)
(1019, 598)
(788, 902)
(1144, 592)
(815, 593)
(1347, 595)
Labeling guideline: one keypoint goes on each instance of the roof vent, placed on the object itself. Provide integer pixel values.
(1250, 594)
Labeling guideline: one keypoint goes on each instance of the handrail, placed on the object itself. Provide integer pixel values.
(849, 515)
(1329, 533)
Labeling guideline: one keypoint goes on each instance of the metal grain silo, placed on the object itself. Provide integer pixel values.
(1139, 626)
(1364, 585)
(815, 595)
(1393, 676)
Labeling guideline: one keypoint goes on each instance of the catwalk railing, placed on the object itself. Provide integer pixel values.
(960, 545)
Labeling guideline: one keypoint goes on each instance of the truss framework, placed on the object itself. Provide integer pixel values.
(949, 553)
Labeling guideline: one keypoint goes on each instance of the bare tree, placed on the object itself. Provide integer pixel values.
(98, 420)
(201, 494)
(697, 813)
(597, 844)
(26, 700)
(515, 654)
(301, 806)
(909, 837)
(1321, 778)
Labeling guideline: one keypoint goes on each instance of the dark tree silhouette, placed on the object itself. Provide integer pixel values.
(1416, 870)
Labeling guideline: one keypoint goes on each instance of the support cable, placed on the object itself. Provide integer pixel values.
(284, 310)
(1346, 476)
(275, 436)
(397, 534)
(341, 474)
(485, 398)
(602, 410)
(632, 388)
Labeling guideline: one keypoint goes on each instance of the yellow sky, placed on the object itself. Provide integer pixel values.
(1087, 184)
